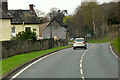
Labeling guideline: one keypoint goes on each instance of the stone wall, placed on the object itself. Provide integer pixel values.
(11, 48)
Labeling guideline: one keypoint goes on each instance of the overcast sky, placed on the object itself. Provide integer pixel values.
(46, 5)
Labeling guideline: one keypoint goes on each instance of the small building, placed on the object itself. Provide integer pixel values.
(54, 29)
(15, 21)
(41, 28)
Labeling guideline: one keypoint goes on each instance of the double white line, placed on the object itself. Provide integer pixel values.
(81, 62)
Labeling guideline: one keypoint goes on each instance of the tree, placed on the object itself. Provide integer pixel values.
(113, 14)
(42, 16)
(119, 11)
(110, 16)
(26, 35)
(92, 16)
(55, 12)
(40, 13)
(67, 18)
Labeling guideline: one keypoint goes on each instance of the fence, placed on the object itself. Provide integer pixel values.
(11, 48)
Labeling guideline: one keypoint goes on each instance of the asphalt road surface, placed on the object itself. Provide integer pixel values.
(98, 62)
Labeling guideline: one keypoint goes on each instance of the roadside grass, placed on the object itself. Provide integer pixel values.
(17, 60)
(115, 44)
(104, 40)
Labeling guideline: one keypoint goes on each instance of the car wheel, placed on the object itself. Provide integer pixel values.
(85, 47)
(74, 48)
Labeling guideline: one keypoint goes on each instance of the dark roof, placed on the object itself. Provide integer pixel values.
(26, 16)
(57, 22)
(52, 23)
(58, 30)
(4, 15)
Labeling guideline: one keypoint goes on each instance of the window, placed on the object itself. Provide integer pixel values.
(13, 29)
(34, 29)
(27, 28)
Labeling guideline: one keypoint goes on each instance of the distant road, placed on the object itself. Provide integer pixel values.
(98, 62)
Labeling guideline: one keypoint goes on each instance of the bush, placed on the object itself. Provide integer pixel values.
(26, 35)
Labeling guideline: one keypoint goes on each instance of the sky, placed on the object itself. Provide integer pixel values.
(46, 5)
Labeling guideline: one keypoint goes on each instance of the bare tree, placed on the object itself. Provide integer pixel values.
(59, 14)
(40, 13)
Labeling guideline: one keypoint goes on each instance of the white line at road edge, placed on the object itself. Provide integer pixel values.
(33, 64)
(81, 62)
(113, 52)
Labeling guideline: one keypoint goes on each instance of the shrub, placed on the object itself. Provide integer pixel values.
(26, 35)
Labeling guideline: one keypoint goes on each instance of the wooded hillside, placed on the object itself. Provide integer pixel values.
(92, 18)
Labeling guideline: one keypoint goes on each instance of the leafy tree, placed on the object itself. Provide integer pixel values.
(26, 35)
(66, 18)
(113, 13)
(119, 11)
(92, 16)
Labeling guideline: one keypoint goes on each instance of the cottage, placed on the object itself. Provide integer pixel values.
(54, 29)
(41, 28)
(15, 21)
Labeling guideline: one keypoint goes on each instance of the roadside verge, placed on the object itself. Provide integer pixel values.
(114, 46)
(114, 52)
(46, 52)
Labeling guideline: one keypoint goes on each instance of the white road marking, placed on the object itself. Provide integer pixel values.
(113, 52)
(81, 62)
(83, 78)
(33, 64)
(80, 65)
(82, 57)
(81, 71)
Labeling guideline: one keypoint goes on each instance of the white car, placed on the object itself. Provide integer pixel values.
(79, 43)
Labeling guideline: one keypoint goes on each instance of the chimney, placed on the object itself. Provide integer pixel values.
(4, 5)
(31, 7)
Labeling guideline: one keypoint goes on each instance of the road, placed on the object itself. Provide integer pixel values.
(98, 62)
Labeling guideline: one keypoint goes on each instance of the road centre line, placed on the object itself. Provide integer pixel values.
(17, 74)
(80, 65)
(81, 61)
(82, 57)
(81, 71)
(83, 78)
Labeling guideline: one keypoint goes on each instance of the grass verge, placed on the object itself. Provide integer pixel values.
(15, 61)
(116, 45)
(104, 40)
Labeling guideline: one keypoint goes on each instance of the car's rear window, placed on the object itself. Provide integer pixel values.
(79, 40)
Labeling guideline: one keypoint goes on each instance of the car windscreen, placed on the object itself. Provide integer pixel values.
(79, 40)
